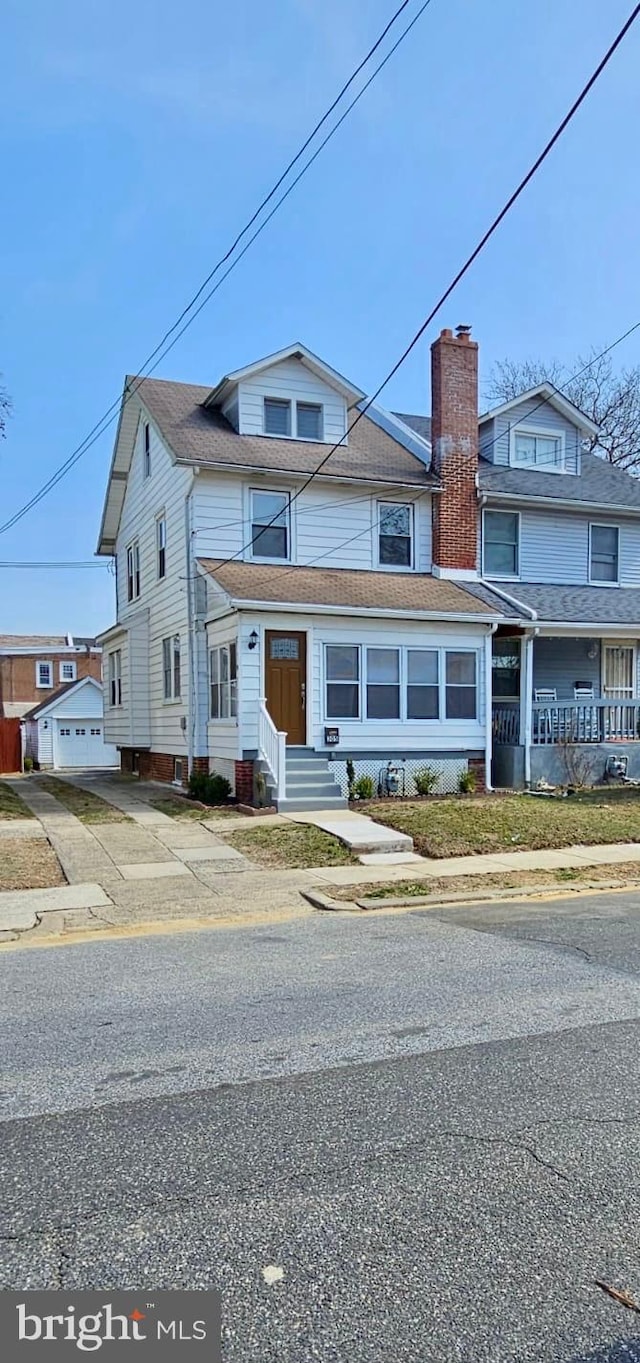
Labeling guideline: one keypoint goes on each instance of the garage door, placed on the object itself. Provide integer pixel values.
(81, 744)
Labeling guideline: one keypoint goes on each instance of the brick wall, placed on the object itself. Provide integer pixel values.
(153, 766)
(477, 764)
(18, 675)
(454, 434)
(244, 782)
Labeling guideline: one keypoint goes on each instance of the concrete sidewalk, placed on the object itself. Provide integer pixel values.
(552, 859)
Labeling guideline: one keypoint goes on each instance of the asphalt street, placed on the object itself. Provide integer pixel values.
(391, 1138)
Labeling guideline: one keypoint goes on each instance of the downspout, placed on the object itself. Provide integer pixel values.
(488, 704)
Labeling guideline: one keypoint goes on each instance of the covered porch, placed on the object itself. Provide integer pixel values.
(562, 704)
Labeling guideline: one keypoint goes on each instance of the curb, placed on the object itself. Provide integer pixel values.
(319, 900)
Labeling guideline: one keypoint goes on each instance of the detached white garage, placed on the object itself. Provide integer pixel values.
(67, 730)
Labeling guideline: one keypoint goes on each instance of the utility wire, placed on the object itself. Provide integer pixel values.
(119, 403)
(469, 261)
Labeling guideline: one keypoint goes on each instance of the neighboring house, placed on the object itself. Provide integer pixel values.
(33, 666)
(368, 613)
(67, 729)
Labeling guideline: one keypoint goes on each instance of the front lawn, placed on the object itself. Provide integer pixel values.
(11, 806)
(464, 826)
(86, 806)
(296, 847)
(28, 864)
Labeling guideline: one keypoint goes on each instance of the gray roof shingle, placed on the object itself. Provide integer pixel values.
(578, 605)
(600, 483)
(421, 424)
(202, 435)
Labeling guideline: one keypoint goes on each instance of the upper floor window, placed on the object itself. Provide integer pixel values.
(309, 421)
(67, 672)
(277, 417)
(270, 525)
(161, 546)
(537, 450)
(604, 553)
(501, 549)
(395, 535)
(44, 674)
(303, 420)
(115, 678)
(133, 571)
(146, 437)
(171, 680)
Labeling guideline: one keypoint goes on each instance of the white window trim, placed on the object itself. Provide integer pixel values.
(133, 547)
(277, 492)
(117, 677)
(227, 721)
(61, 667)
(521, 428)
(173, 698)
(404, 649)
(161, 519)
(619, 643)
(44, 686)
(603, 525)
(293, 419)
(375, 518)
(146, 449)
(502, 577)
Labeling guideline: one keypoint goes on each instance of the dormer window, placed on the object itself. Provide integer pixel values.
(537, 450)
(277, 417)
(297, 420)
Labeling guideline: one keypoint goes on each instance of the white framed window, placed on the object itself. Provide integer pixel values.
(146, 449)
(309, 421)
(423, 683)
(604, 554)
(461, 684)
(68, 672)
(44, 675)
(500, 543)
(133, 571)
(223, 681)
(542, 450)
(161, 546)
(171, 681)
(395, 534)
(342, 681)
(383, 683)
(270, 525)
(115, 678)
(277, 416)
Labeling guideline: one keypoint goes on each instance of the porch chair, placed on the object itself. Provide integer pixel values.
(544, 730)
(590, 726)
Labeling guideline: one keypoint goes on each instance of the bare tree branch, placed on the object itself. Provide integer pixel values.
(5, 409)
(610, 399)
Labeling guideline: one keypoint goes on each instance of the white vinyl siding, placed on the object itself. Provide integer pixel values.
(555, 547)
(332, 524)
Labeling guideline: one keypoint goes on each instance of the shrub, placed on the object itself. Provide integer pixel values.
(364, 788)
(467, 781)
(209, 787)
(351, 775)
(426, 779)
(28, 764)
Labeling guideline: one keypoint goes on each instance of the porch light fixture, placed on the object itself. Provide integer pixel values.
(253, 640)
(592, 650)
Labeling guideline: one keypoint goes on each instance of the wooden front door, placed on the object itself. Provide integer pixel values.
(286, 682)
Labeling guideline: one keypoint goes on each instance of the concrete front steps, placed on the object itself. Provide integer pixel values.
(310, 783)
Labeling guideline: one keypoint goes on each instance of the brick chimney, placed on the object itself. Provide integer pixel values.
(454, 439)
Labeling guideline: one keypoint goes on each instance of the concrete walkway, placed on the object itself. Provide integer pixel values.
(371, 842)
(554, 859)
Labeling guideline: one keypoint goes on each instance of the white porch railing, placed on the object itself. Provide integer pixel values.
(506, 724)
(272, 750)
(592, 721)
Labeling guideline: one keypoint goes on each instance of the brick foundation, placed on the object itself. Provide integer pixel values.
(244, 782)
(156, 766)
(477, 764)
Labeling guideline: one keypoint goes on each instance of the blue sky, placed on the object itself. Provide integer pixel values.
(136, 139)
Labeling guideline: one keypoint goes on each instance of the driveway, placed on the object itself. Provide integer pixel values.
(429, 1125)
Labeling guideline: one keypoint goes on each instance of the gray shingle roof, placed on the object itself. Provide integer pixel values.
(421, 424)
(202, 435)
(600, 483)
(588, 605)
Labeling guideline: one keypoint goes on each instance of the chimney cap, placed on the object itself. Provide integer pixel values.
(463, 330)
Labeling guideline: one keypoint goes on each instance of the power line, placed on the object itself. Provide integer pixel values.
(88, 563)
(119, 403)
(469, 261)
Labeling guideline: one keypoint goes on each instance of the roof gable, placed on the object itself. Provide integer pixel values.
(51, 703)
(296, 351)
(547, 393)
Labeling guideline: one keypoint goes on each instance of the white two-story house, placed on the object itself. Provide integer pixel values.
(300, 584)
